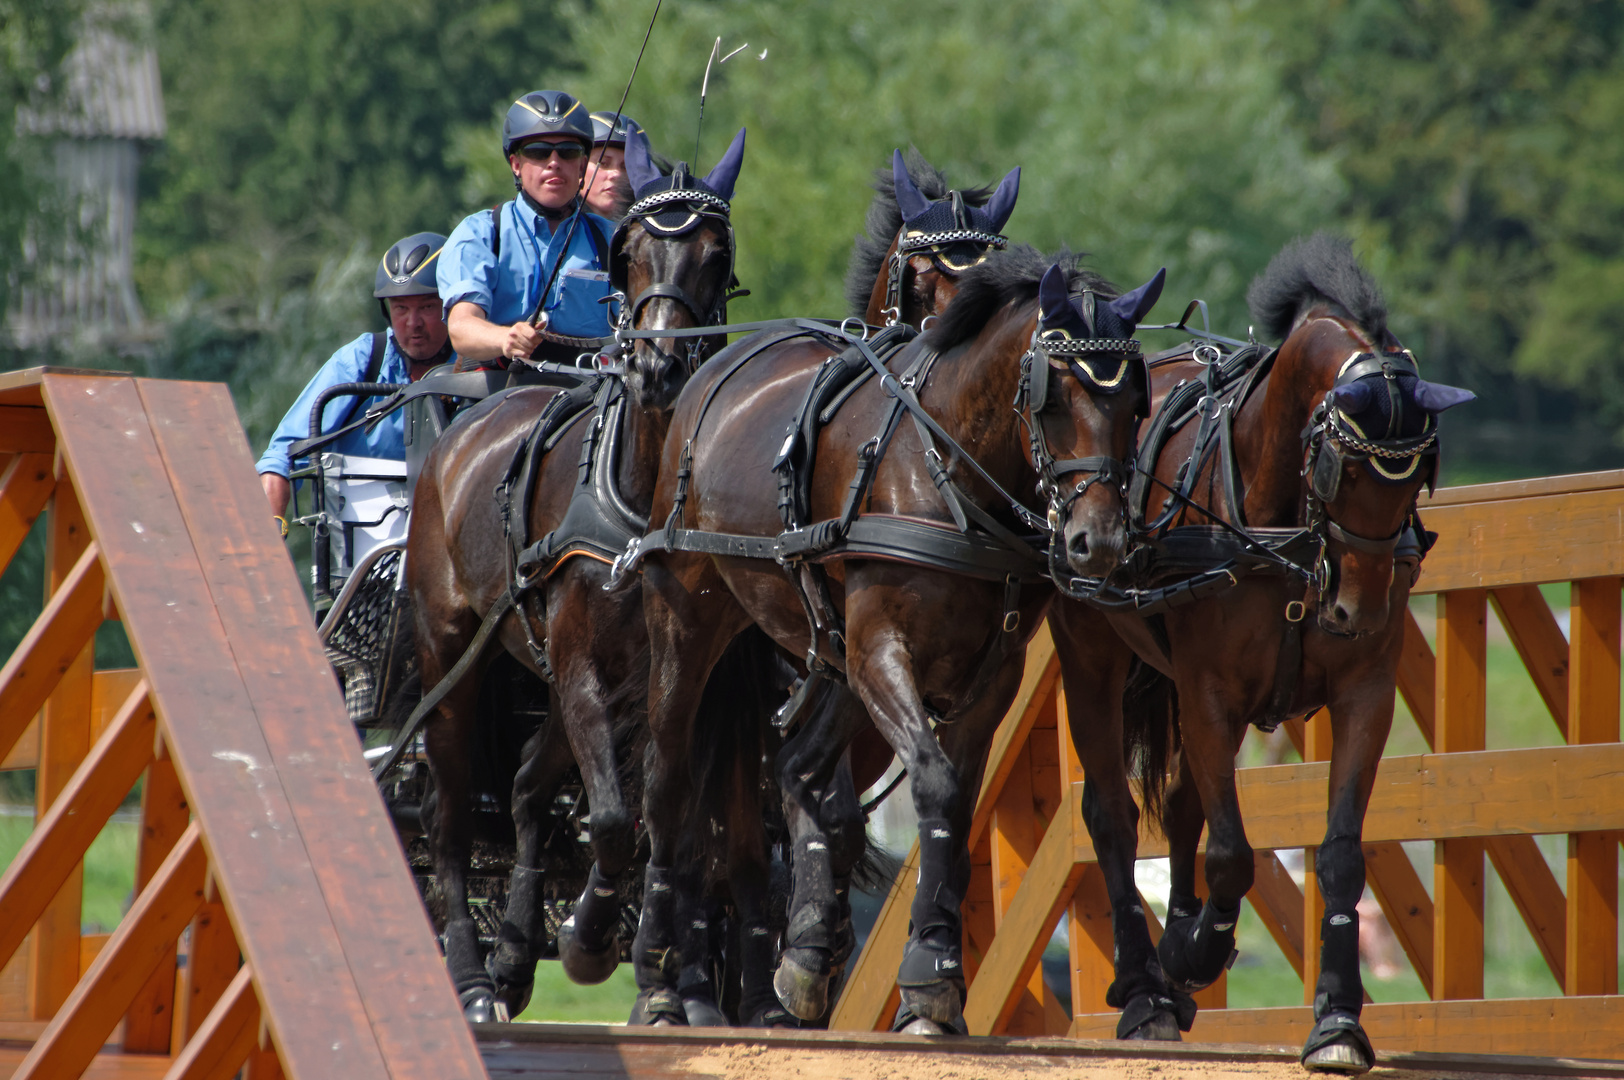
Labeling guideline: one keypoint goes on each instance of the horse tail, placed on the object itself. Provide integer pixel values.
(1150, 735)
(876, 870)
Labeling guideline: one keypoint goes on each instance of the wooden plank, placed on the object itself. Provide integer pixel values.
(224, 1039)
(1417, 677)
(1533, 888)
(108, 689)
(1612, 479)
(372, 900)
(54, 849)
(1457, 865)
(1593, 698)
(1027, 926)
(102, 997)
(1539, 641)
(872, 981)
(164, 817)
(1040, 684)
(1013, 844)
(1525, 541)
(1316, 747)
(1278, 903)
(1404, 900)
(26, 484)
(1558, 1028)
(211, 727)
(64, 739)
(25, 430)
(212, 962)
(50, 647)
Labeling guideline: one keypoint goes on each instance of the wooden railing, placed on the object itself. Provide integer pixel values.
(1033, 864)
(263, 845)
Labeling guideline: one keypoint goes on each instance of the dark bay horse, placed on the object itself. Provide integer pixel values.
(593, 481)
(930, 652)
(1333, 437)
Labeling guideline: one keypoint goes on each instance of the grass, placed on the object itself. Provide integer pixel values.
(109, 868)
(556, 999)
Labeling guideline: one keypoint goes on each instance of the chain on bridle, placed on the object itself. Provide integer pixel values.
(1333, 438)
(695, 206)
(938, 246)
(1102, 365)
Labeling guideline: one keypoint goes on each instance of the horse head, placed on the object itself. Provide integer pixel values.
(1373, 443)
(672, 258)
(1087, 389)
(937, 241)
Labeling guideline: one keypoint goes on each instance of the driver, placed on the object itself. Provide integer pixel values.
(415, 342)
(498, 261)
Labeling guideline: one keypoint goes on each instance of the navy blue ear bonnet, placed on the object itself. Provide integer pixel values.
(949, 229)
(1092, 336)
(672, 206)
(1382, 411)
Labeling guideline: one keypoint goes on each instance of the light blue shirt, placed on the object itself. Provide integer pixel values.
(385, 439)
(508, 285)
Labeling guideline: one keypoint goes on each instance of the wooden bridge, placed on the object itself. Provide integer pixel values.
(275, 928)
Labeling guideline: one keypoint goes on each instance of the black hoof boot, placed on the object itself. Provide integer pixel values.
(1153, 1018)
(931, 979)
(773, 1016)
(514, 975)
(1338, 1045)
(583, 965)
(587, 944)
(807, 964)
(1197, 948)
(658, 1008)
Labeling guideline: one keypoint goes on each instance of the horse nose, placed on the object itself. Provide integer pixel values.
(1077, 546)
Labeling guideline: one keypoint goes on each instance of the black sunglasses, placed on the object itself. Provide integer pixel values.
(541, 151)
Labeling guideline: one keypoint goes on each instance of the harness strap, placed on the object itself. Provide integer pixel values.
(433, 698)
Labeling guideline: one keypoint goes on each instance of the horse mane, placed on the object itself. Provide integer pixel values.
(1311, 270)
(1006, 277)
(884, 219)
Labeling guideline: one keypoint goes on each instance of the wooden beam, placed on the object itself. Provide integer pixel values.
(1316, 747)
(1593, 700)
(50, 647)
(212, 961)
(1013, 844)
(1538, 640)
(223, 1040)
(1404, 900)
(1559, 1028)
(1417, 677)
(872, 981)
(26, 484)
(1027, 926)
(104, 995)
(108, 689)
(60, 839)
(164, 817)
(25, 430)
(1040, 684)
(1457, 864)
(1278, 903)
(1510, 490)
(1525, 541)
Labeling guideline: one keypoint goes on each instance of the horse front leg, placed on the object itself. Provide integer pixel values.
(1095, 669)
(1359, 725)
(807, 766)
(1198, 944)
(594, 644)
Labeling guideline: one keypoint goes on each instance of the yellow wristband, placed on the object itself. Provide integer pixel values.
(281, 523)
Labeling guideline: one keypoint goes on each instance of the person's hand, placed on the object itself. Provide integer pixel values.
(522, 341)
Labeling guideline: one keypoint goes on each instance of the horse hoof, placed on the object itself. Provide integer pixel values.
(1344, 1057)
(703, 1013)
(586, 966)
(773, 1017)
(920, 1026)
(481, 1006)
(514, 983)
(941, 1002)
(1162, 1027)
(804, 992)
(658, 1008)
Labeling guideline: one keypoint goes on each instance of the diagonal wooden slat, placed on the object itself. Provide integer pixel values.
(60, 839)
(51, 645)
(104, 994)
(1278, 903)
(225, 1038)
(164, 817)
(1538, 639)
(26, 483)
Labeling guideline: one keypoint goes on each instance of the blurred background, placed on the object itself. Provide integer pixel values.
(199, 188)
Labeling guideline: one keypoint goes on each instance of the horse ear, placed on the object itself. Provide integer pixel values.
(1002, 203)
(1053, 294)
(640, 168)
(1131, 307)
(726, 174)
(910, 200)
(1353, 398)
(1436, 397)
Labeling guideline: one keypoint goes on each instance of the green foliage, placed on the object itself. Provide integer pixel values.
(1149, 135)
(1480, 145)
